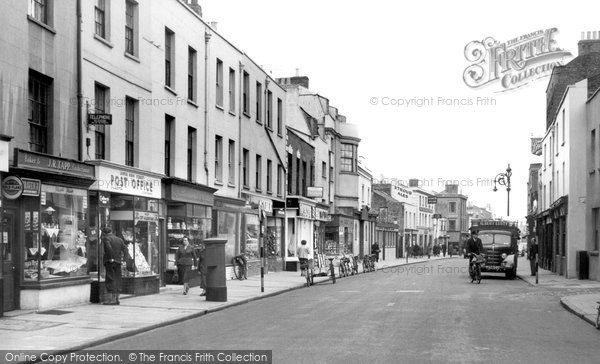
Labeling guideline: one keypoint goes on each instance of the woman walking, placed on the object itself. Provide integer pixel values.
(185, 259)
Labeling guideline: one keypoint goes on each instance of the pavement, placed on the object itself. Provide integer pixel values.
(76, 328)
(580, 297)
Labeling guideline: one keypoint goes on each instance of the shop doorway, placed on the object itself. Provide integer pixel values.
(8, 256)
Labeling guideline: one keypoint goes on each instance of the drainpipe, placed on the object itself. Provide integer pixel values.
(207, 37)
(240, 111)
(79, 87)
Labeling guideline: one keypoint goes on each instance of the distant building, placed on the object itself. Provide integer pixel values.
(476, 212)
(390, 221)
(453, 205)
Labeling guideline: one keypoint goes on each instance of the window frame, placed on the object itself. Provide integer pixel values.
(231, 90)
(259, 98)
(192, 73)
(258, 174)
(100, 130)
(169, 58)
(191, 144)
(219, 89)
(131, 26)
(130, 118)
(218, 159)
(40, 111)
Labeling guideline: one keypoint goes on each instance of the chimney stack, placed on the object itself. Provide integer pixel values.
(193, 4)
(589, 43)
(296, 80)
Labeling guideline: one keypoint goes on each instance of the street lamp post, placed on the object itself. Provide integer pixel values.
(504, 180)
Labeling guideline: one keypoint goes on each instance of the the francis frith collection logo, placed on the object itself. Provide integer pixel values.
(514, 63)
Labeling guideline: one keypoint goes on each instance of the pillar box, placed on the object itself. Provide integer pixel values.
(216, 287)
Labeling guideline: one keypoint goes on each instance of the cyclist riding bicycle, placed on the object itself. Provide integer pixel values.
(303, 255)
(474, 246)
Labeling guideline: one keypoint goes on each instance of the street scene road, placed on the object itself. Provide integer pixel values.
(428, 312)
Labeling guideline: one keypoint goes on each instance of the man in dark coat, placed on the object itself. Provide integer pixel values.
(474, 245)
(531, 255)
(375, 250)
(114, 249)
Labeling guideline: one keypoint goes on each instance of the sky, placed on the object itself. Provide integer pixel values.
(363, 55)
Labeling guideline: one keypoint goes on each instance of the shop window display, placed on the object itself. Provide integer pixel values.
(273, 237)
(249, 244)
(135, 220)
(55, 227)
(186, 220)
(226, 229)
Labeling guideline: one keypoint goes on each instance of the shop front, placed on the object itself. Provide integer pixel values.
(387, 238)
(552, 240)
(129, 201)
(227, 224)
(322, 217)
(339, 235)
(189, 214)
(300, 225)
(261, 214)
(45, 232)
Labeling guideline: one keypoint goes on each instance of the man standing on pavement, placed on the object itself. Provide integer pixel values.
(531, 255)
(303, 255)
(114, 249)
(444, 249)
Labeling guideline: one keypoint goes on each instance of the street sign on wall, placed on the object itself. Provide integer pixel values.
(312, 192)
(431, 200)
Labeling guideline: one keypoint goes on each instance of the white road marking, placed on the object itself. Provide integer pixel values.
(349, 291)
(408, 291)
(391, 304)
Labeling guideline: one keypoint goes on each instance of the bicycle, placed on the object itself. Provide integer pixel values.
(475, 268)
(374, 258)
(331, 269)
(307, 271)
(366, 264)
(598, 316)
(240, 267)
(354, 265)
(344, 266)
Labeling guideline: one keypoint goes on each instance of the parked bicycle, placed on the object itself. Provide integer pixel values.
(354, 265)
(598, 316)
(240, 267)
(331, 269)
(344, 267)
(307, 271)
(368, 263)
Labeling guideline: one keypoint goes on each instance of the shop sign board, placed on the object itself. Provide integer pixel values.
(314, 192)
(46, 163)
(99, 119)
(306, 211)
(145, 216)
(4, 155)
(322, 214)
(14, 187)
(264, 204)
(126, 182)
